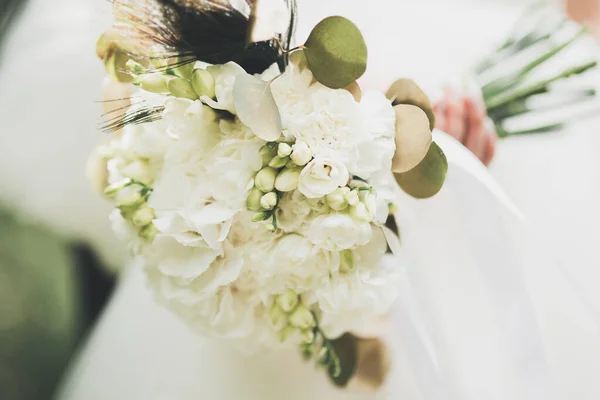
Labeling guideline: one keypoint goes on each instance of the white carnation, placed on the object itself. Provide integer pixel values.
(338, 231)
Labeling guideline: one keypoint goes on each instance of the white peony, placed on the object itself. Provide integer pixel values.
(338, 231)
(322, 176)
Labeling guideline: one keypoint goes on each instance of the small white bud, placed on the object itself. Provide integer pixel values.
(371, 203)
(284, 150)
(253, 199)
(278, 317)
(302, 318)
(116, 187)
(346, 260)
(143, 216)
(359, 211)
(203, 83)
(301, 153)
(269, 201)
(149, 232)
(337, 200)
(286, 332)
(308, 336)
(287, 301)
(352, 197)
(392, 208)
(154, 83)
(278, 162)
(135, 67)
(287, 180)
(130, 200)
(181, 88)
(267, 152)
(185, 67)
(265, 179)
(271, 227)
(261, 216)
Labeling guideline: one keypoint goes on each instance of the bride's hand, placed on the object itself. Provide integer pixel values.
(465, 119)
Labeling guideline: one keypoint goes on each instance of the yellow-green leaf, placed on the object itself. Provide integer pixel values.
(336, 52)
(427, 178)
(406, 91)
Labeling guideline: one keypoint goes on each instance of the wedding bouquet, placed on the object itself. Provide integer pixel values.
(255, 180)
(523, 78)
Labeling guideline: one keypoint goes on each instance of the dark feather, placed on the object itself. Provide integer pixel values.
(134, 116)
(205, 30)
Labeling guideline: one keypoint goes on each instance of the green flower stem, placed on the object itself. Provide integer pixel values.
(520, 107)
(549, 127)
(332, 361)
(505, 98)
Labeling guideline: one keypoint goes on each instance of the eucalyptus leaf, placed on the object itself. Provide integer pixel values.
(427, 178)
(406, 91)
(346, 349)
(336, 52)
(255, 106)
(373, 363)
(413, 137)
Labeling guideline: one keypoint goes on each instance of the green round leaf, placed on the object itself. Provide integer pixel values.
(336, 52)
(346, 350)
(413, 137)
(427, 178)
(406, 91)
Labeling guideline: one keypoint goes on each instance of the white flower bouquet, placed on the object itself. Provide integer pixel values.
(255, 181)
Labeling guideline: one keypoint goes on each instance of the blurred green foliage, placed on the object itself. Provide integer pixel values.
(39, 309)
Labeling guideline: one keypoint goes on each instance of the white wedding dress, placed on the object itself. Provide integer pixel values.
(486, 312)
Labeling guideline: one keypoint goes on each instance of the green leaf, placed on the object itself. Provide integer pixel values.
(336, 52)
(413, 137)
(255, 106)
(345, 349)
(427, 178)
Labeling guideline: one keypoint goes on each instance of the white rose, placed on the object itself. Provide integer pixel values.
(336, 232)
(322, 176)
(224, 76)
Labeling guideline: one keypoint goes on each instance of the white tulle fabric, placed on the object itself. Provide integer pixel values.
(485, 313)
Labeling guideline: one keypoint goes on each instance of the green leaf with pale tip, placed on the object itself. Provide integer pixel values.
(346, 350)
(336, 52)
(406, 91)
(427, 178)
